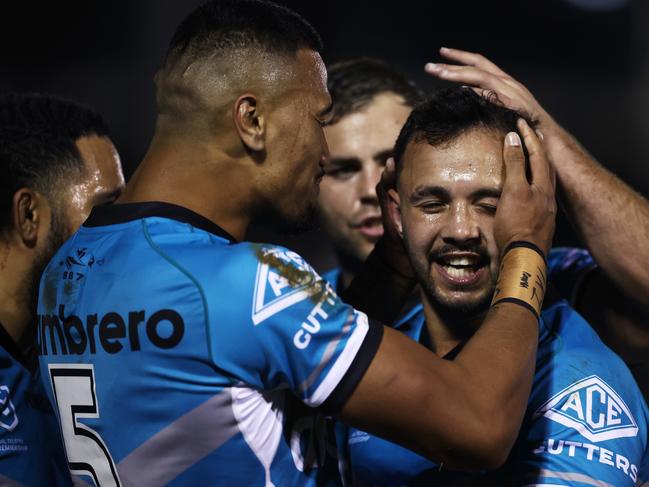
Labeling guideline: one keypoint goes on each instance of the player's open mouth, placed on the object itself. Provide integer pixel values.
(371, 228)
(461, 269)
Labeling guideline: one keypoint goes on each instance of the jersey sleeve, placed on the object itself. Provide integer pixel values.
(567, 269)
(285, 327)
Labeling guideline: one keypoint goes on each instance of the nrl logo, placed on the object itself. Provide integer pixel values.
(283, 279)
(8, 417)
(593, 408)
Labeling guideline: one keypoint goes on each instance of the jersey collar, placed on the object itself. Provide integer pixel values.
(126, 212)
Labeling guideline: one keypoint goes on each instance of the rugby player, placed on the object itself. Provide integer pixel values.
(370, 103)
(611, 288)
(586, 421)
(179, 354)
(57, 163)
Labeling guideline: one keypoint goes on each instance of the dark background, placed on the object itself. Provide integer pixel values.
(587, 61)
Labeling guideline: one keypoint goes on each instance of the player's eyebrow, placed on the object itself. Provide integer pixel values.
(383, 155)
(325, 114)
(343, 161)
(486, 193)
(423, 192)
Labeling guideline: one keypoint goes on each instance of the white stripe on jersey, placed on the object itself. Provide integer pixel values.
(343, 362)
(260, 419)
(572, 476)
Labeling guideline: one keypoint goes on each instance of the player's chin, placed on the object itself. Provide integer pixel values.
(301, 220)
(465, 303)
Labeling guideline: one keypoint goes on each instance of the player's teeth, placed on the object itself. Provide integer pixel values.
(459, 261)
(457, 273)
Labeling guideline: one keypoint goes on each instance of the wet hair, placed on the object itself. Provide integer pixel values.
(37, 144)
(354, 84)
(448, 114)
(221, 25)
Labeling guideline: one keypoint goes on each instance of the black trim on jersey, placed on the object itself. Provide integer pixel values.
(126, 212)
(12, 348)
(356, 370)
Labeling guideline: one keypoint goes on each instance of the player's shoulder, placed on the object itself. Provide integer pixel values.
(241, 264)
(267, 278)
(568, 343)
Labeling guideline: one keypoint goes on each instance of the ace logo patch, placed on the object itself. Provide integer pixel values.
(593, 408)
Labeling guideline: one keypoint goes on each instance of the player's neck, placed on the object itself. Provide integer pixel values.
(197, 179)
(16, 306)
(448, 330)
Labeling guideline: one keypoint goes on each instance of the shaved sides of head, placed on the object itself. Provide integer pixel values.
(225, 48)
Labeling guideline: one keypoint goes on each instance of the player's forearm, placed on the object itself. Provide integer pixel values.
(611, 217)
(463, 413)
(381, 288)
(497, 368)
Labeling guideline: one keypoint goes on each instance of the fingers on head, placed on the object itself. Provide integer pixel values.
(471, 58)
(539, 166)
(514, 159)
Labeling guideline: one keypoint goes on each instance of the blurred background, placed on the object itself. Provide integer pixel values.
(587, 62)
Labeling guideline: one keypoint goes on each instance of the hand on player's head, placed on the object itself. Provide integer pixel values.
(486, 79)
(527, 207)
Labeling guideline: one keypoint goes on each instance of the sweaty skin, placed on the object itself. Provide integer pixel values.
(448, 199)
(101, 183)
(605, 212)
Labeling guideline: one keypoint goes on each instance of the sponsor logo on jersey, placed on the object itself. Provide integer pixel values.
(593, 408)
(112, 332)
(283, 280)
(8, 416)
(581, 451)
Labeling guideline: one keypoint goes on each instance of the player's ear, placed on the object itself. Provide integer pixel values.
(28, 214)
(249, 122)
(394, 210)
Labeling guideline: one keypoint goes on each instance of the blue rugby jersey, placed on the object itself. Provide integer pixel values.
(586, 421)
(31, 449)
(177, 356)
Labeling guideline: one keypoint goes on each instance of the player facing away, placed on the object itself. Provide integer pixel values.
(586, 421)
(178, 354)
(371, 101)
(57, 162)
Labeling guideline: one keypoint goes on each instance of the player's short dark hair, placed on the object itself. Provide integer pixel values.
(448, 114)
(353, 85)
(37, 144)
(219, 25)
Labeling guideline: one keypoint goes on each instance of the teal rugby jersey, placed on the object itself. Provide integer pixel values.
(31, 449)
(178, 356)
(586, 423)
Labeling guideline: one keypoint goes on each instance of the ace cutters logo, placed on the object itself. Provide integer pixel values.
(8, 417)
(593, 408)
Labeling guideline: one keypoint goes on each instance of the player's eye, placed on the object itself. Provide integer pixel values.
(488, 207)
(341, 172)
(433, 206)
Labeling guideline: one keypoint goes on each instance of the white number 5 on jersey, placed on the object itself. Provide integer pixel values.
(74, 392)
